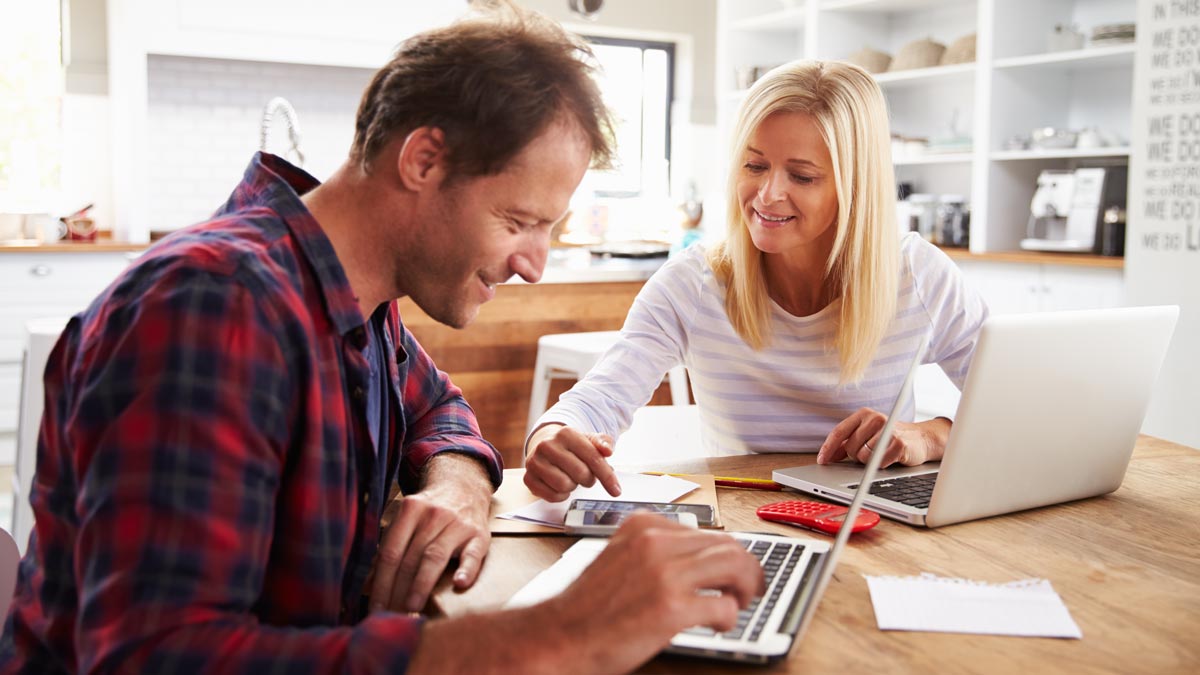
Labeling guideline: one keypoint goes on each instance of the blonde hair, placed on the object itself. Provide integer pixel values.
(848, 108)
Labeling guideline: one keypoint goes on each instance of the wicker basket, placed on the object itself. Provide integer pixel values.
(871, 60)
(961, 50)
(923, 53)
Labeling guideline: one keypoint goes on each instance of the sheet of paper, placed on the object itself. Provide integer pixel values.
(1029, 607)
(635, 487)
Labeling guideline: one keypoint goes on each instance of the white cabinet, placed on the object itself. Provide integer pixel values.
(1014, 85)
(1016, 288)
(39, 285)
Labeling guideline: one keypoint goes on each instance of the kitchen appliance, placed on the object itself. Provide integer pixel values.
(1067, 210)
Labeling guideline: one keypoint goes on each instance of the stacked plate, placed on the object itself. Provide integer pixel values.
(1112, 34)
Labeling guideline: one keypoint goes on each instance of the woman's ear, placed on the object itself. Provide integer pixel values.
(421, 161)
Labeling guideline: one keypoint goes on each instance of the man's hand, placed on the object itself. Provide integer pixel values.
(561, 459)
(654, 579)
(446, 519)
(912, 443)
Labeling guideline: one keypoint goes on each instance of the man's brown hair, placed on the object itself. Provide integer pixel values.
(492, 82)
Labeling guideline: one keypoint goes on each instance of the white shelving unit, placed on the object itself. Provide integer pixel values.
(1014, 86)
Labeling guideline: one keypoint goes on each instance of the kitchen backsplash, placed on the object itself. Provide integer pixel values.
(204, 117)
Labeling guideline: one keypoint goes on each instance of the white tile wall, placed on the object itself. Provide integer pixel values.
(204, 117)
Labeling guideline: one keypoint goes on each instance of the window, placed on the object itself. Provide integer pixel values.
(31, 88)
(637, 82)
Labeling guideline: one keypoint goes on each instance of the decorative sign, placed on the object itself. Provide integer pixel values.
(1162, 243)
(1168, 167)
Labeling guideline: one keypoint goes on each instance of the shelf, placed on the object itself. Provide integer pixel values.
(1065, 153)
(934, 158)
(884, 6)
(788, 19)
(918, 76)
(1076, 59)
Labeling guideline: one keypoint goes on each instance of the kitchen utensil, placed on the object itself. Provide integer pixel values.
(951, 221)
(280, 105)
(1090, 138)
(1064, 38)
(12, 226)
(81, 228)
(922, 214)
(1069, 207)
(744, 76)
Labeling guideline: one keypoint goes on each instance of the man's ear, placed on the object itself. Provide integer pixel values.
(421, 161)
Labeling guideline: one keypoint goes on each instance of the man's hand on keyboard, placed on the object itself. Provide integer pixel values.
(649, 584)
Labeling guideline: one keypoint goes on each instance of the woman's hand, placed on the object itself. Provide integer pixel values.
(561, 458)
(912, 443)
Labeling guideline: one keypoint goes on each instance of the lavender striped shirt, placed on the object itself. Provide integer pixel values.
(785, 398)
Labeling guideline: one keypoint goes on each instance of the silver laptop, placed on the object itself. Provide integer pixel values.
(1050, 411)
(797, 571)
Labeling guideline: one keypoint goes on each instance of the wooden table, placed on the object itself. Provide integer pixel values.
(1127, 565)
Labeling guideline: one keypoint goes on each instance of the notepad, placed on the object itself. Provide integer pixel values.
(1029, 607)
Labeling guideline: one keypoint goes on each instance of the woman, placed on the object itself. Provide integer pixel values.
(800, 326)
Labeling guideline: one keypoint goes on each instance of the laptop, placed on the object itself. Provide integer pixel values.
(797, 572)
(1051, 408)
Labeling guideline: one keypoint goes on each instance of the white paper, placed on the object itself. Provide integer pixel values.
(555, 578)
(635, 487)
(1029, 607)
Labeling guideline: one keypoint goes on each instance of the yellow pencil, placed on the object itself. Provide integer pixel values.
(732, 481)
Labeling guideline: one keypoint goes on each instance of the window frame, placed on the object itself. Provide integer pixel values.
(670, 47)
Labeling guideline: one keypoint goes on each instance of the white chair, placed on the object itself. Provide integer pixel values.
(40, 336)
(10, 557)
(660, 434)
(572, 355)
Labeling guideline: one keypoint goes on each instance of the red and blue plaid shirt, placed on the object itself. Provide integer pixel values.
(207, 494)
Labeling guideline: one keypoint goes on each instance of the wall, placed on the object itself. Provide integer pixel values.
(204, 119)
(87, 163)
(201, 142)
(1162, 258)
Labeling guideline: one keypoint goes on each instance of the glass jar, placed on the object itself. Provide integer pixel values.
(951, 228)
(922, 214)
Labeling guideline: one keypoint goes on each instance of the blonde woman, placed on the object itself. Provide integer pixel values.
(799, 327)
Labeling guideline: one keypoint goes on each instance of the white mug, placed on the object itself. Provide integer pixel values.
(47, 228)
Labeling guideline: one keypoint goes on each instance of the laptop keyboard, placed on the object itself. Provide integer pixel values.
(778, 561)
(911, 490)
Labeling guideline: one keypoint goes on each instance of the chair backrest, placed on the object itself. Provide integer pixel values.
(40, 337)
(9, 559)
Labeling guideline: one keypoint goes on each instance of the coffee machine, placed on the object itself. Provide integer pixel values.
(1067, 210)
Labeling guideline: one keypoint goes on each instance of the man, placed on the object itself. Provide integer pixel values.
(224, 422)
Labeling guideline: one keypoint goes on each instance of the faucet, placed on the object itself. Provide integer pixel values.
(280, 104)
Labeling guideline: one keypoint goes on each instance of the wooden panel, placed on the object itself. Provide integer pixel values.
(492, 359)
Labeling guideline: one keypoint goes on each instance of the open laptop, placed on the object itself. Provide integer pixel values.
(1050, 411)
(797, 571)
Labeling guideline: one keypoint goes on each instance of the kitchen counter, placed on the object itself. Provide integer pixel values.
(100, 246)
(578, 265)
(564, 266)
